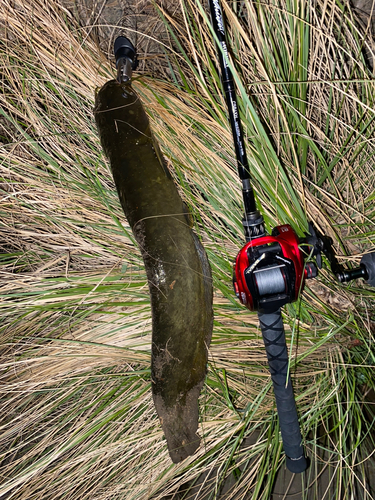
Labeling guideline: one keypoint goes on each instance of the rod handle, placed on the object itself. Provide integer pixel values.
(274, 340)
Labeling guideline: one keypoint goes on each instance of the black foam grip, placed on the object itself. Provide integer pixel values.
(274, 340)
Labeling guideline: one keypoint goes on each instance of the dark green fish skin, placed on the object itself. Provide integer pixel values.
(177, 267)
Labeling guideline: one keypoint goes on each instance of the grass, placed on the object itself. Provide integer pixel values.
(78, 420)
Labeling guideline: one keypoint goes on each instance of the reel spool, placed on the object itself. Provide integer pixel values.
(270, 280)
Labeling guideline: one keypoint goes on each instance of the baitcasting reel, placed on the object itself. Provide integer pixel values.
(270, 271)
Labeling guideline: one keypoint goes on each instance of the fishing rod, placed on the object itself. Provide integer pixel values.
(270, 270)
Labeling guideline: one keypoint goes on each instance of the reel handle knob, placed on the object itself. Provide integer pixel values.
(368, 261)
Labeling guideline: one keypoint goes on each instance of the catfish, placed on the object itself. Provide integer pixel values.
(177, 267)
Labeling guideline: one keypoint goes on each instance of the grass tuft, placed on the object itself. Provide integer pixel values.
(78, 420)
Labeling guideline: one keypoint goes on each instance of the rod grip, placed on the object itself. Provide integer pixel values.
(274, 340)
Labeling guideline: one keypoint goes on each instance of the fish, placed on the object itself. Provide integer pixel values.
(177, 267)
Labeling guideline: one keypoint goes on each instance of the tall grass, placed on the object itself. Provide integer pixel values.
(78, 420)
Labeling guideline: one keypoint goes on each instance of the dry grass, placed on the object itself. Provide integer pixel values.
(78, 421)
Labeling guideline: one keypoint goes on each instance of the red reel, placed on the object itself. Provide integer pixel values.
(270, 271)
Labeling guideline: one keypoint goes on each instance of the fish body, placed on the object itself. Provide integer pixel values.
(177, 267)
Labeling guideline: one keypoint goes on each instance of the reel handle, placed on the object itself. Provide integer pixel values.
(323, 244)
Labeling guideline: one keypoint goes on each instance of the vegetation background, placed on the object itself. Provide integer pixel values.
(77, 418)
